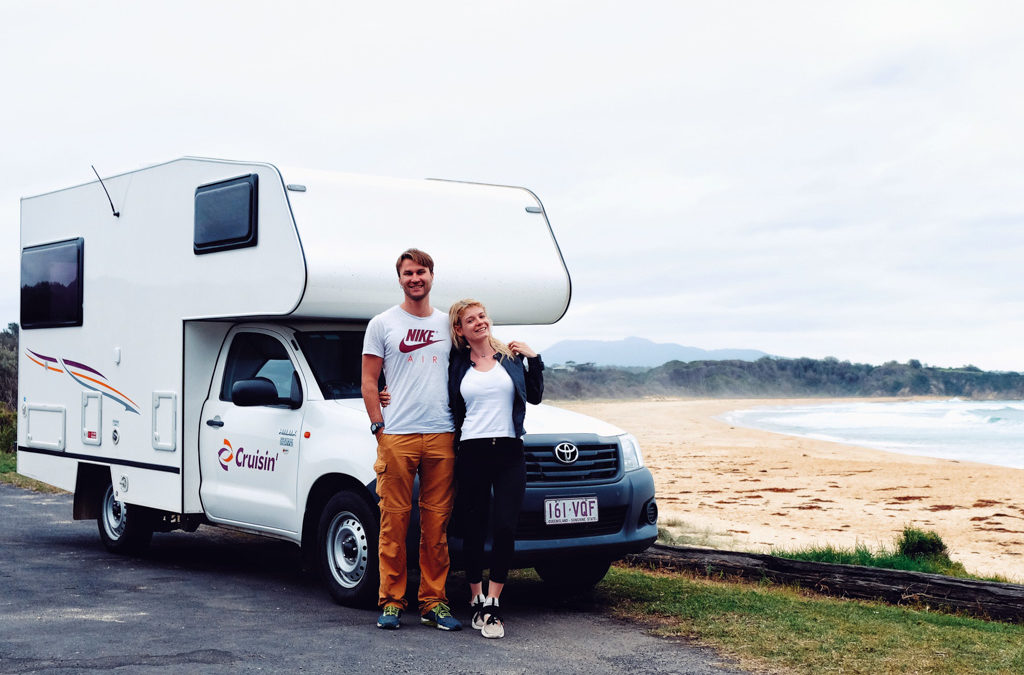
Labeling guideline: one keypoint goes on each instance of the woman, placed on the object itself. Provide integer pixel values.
(488, 388)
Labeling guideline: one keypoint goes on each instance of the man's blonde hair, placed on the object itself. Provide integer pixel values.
(417, 256)
(455, 319)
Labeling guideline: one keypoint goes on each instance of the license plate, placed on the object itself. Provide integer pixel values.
(570, 510)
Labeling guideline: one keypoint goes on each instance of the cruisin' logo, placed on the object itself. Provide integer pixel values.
(418, 338)
(226, 455)
(244, 459)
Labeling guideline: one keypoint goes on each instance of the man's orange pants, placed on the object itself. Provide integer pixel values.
(399, 458)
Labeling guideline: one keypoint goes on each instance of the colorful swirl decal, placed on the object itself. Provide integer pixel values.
(226, 455)
(88, 377)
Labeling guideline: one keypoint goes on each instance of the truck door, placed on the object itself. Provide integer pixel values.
(249, 435)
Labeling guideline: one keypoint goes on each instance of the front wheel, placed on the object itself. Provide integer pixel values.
(123, 528)
(573, 575)
(347, 550)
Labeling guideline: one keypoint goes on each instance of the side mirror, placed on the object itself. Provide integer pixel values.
(259, 391)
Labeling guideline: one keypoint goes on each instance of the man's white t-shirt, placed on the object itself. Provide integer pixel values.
(415, 351)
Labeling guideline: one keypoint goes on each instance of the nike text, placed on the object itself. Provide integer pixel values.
(417, 338)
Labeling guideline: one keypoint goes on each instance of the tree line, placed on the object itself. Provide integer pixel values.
(776, 377)
(8, 388)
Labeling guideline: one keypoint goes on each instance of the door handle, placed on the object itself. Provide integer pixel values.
(215, 422)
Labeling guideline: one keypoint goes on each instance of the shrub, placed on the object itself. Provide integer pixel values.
(8, 429)
(666, 537)
(917, 544)
(917, 551)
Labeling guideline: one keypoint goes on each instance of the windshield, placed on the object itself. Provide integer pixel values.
(336, 360)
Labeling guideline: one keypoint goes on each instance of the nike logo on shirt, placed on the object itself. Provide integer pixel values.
(405, 347)
(415, 339)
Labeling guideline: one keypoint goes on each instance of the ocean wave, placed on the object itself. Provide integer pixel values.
(1005, 415)
(991, 432)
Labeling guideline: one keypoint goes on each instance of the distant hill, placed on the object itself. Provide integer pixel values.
(638, 352)
(774, 377)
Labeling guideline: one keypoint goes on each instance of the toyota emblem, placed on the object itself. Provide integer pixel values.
(566, 453)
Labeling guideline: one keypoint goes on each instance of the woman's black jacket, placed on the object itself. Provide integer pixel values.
(528, 386)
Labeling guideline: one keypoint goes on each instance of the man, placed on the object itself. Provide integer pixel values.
(411, 343)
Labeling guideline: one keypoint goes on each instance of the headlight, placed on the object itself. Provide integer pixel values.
(632, 458)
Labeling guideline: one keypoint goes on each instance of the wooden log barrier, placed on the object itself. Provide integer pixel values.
(984, 599)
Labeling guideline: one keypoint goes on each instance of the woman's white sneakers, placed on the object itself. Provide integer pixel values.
(486, 618)
(478, 605)
(492, 624)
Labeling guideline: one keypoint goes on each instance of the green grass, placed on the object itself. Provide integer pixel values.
(915, 551)
(9, 474)
(782, 629)
(861, 555)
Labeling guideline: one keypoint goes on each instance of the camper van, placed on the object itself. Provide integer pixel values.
(190, 353)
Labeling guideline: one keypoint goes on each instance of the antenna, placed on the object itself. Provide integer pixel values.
(116, 213)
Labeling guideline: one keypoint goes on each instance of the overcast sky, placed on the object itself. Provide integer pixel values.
(804, 178)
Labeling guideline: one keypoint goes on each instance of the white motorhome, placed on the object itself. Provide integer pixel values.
(190, 354)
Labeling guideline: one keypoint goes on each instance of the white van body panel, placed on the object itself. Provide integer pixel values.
(363, 223)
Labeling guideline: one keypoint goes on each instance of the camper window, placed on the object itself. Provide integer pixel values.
(257, 355)
(51, 284)
(225, 215)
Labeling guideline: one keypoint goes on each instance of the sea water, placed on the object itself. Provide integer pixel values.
(977, 431)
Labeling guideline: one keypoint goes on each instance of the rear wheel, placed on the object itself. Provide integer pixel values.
(347, 550)
(573, 575)
(123, 528)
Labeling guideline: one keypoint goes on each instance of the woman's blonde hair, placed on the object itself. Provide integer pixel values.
(455, 319)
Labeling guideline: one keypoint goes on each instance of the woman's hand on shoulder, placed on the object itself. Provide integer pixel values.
(521, 349)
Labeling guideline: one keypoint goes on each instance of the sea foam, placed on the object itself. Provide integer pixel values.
(991, 432)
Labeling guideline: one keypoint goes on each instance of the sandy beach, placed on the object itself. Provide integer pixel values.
(752, 490)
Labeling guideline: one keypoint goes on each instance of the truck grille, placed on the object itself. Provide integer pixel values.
(597, 462)
(531, 525)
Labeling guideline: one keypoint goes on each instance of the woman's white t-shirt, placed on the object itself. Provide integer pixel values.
(488, 397)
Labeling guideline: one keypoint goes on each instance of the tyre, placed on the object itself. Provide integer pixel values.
(346, 547)
(573, 575)
(123, 528)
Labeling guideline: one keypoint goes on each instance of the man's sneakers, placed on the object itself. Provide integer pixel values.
(440, 617)
(477, 607)
(389, 619)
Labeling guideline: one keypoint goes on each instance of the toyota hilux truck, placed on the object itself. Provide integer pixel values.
(190, 346)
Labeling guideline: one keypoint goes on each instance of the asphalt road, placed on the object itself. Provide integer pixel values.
(220, 602)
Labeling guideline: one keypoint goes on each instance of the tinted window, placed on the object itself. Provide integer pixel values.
(257, 355)
(226, 215)
(51, 284)
(336, 358)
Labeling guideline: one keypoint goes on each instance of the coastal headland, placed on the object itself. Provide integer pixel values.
(746, 489)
